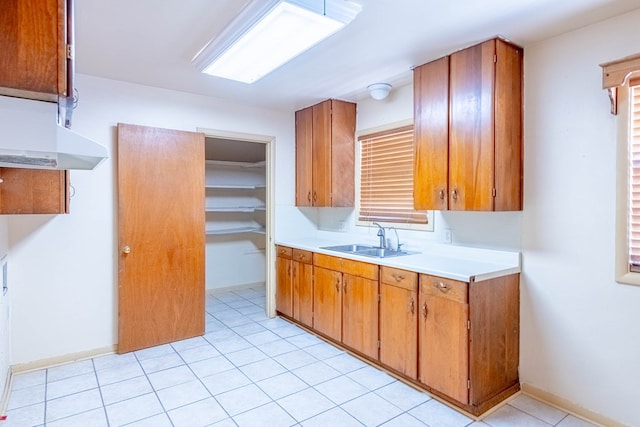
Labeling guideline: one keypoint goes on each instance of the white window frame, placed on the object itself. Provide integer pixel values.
(398, 225)
(624, 121)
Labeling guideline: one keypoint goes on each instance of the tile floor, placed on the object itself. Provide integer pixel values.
(248, 370)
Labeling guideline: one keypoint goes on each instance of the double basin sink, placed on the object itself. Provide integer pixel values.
(368, 250)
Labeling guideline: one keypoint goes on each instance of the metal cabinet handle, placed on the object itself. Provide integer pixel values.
(309, 196)
(412, 307)
(315, 196)
(441, 194)
(345, 286)
(454, 194)
(425, 311)
(126, 249)
(338, 285)
(398, 277)
(443, 287)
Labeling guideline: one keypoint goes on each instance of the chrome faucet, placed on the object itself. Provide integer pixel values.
(382, 235)
(398, 244)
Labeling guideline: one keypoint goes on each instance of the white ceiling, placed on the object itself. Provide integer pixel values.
(152, 42)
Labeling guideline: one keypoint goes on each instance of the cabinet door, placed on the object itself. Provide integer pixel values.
(471, 133)
(399, 329)
(444, 337)
(360, 314)
(284, 286)
(343, 129)
(33, 191)
(33, 46)
(304, 157)
(322, 167)
(303, 292)
(431, 123)
(327, 302)
(508, 128)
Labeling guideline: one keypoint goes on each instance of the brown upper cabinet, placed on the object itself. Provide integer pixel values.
(35, 41)
(33, 191)
(468, 129)
(325, 150)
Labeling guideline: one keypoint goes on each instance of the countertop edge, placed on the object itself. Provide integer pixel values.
(420, 263)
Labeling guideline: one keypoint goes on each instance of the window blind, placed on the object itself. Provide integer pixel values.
(386, 177)
(634, 178)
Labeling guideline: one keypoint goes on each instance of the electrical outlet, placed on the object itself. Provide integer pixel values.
(447, 235)
(341, 225)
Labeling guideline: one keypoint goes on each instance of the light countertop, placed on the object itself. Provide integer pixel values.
(449, 261)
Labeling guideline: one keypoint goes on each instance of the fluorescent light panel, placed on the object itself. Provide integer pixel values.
(253, 46)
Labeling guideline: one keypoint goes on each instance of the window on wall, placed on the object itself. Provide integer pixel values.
(385, 193)
(622, 79)
(633, 225)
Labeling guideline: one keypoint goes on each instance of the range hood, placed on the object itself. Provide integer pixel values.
(30, 137)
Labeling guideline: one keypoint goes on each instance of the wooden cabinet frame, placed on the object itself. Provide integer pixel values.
(459, 340)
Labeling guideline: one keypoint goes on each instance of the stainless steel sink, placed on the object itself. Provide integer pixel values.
(368, 250)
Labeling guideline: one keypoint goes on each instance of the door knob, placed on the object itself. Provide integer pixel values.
(126, 250)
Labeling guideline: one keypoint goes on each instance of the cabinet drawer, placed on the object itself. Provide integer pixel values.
(400, 278)
(303, 256)
(355, 268)
(283, 251)
(443, 288)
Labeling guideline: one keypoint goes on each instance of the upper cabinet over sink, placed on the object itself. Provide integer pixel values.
(468, 129)
(325, 150)
(36, 49)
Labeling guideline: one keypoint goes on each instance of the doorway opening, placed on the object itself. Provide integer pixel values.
(239, 212)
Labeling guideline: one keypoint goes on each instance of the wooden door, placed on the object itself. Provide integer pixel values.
(444, 337)
(284, 289)
(321, 166)
(33, 46)
(304, 157)
(327, 302)
(161, 285)
(399, 321)
(471, 133)
(34, 191)
(431, 127)
(303, 286)
(360, 314)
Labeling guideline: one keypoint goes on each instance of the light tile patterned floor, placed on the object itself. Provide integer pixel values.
(248, 370)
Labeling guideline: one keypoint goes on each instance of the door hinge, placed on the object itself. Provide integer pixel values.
(493, 192)
(69, 52)
(378, 297)
(495, 58)
(468, 384)
(469, 324)
(378, 343)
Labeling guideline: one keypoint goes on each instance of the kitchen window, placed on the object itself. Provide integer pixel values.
(385, 190)
(622, 79)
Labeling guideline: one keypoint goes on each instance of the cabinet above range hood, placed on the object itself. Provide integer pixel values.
(30, 137)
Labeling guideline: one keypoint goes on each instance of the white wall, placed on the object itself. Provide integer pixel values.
(499, 230)
(580, 330)
(64, 268)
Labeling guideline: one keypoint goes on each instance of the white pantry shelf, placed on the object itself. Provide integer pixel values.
(238, 230)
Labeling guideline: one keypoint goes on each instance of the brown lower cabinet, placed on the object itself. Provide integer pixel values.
(457, 340)
(399, 321)
(294, 284)
(34, 191)
(346, 302)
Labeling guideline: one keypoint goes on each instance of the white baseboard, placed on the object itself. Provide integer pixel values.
(214, 291)
(61, 360)
(5, 393)
(570, 407)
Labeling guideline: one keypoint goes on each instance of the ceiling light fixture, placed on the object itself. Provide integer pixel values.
(379, 91)
(267, 34)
